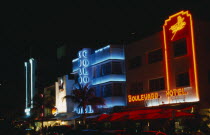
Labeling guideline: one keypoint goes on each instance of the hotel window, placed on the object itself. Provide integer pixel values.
(180, 48)
(107, 90)
(155, 56)
(117, 89)
(106, 69)
(116, 68)
(182, 80)
(156, 84)
(94, 72)
(136, 88)
(134, 62)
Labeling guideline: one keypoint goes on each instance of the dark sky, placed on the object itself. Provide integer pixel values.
(44, 26)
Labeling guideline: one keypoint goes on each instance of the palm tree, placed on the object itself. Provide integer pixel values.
(83, 96)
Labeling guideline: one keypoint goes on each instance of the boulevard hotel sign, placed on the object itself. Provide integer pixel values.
(176, 27)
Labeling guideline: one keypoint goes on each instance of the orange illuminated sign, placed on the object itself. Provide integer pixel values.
(176, 92)
(142, 97)
(180, 24)
(176, 27)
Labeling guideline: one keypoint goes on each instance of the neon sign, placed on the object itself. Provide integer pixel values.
(178, 26)
(142, 97)
(101, 49)
(83, 66)
(175, 92)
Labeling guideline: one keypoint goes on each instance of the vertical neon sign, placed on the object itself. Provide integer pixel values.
(32, 84)
(26, 72)
(83, 66)
(178, 26)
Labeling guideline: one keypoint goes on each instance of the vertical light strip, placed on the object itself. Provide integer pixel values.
(166, 59)
(194, 57)
(31, 62)
(26, 69)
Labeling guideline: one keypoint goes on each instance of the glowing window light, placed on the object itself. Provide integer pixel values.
(101, 49)
(109, 78)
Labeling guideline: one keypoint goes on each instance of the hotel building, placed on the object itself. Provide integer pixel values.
(103, 70)
(170, 68)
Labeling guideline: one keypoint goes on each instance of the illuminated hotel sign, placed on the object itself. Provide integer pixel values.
(142, 97)
(179, 25)
(83, 66)
(155, 95)
(176, 92)
(176, 27)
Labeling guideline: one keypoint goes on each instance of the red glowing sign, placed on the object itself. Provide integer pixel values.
(178, 26)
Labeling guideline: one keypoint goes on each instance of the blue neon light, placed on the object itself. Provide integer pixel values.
(114, 57)
(31, 62)
(26, 68)
(74, 60)
(109, 78)
(101, 49)
(88, 109)
(111, 54)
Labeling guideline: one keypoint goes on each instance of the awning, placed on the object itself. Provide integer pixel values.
(93, 116)
(72, 118)
(145, 114)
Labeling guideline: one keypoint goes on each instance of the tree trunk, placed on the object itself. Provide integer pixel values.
(84, 114)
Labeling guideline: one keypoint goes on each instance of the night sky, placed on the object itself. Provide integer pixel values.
(36, 29)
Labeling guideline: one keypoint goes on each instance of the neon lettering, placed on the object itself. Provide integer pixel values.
(142, 97)
(176, 92)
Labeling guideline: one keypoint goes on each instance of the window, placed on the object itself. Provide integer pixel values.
(182, 79)
(117, 90)
(106, 69)
(116, 68)
(94, 72)
(155, 56)
(180, 48)
(107, 90)
(136, 88)
(134, 62)
(157, 84)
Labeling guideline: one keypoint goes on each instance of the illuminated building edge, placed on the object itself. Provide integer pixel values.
(180, 26)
